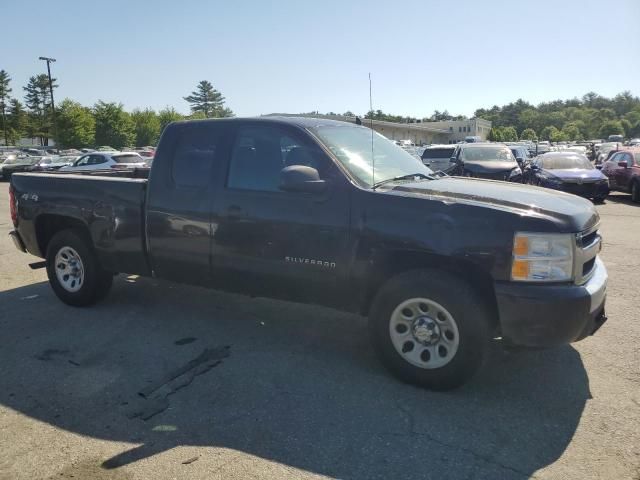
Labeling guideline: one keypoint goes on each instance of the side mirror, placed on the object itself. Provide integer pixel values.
(623, 164)
(534, 167)
(520, 160)
(453, 160)
(299, 178)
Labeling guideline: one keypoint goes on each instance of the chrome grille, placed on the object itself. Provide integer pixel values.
(588, 245)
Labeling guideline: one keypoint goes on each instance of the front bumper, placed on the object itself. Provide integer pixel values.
(546, 315)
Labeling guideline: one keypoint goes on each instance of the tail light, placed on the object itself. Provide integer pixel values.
(13, 207)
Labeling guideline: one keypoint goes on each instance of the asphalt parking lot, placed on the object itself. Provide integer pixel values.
(252, 388)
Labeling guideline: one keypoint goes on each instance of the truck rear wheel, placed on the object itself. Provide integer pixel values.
(430, 329)
(73, 269)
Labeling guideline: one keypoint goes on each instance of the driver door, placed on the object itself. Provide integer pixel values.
(266, 241)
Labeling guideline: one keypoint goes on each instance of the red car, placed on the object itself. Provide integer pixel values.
(623, 171)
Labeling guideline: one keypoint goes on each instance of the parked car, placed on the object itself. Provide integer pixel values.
(521, 153)
(569, 172)
(604, 151)
(46, 164)
(634, 142)
(101, 160)
(440, 265)
(623, 171)
(16, 164)
(437, 157)
(492, 161)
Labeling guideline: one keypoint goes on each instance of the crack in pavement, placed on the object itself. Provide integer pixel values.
(412, 432)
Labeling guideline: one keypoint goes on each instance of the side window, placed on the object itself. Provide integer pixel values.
(81, 161)
(627, 158)
(615, 158)
(261, 152)
(193, 157)
(96, 160)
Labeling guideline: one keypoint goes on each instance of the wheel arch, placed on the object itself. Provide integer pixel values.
(394, 263)
(47, 225)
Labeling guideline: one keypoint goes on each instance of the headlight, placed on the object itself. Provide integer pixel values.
(542, 257)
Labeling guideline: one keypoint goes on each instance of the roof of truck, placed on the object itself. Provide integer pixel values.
(304, 122)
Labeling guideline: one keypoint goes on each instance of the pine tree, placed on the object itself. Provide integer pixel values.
(5, 90)
(208, 100)
(17, 121)
(38, 101)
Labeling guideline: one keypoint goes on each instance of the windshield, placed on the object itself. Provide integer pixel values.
(481, 154)
(438, 153)
(564, 163)
(353, 146)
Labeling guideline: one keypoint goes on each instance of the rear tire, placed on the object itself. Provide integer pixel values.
(430, 329)
(75, 275)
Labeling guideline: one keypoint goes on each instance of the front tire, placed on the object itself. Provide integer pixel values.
(75, 275)
(635, 191)
(430, 329)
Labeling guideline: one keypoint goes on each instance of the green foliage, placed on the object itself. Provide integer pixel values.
(208, 100)
(529, 134)
(17, 121)
(38, 101)
(76, 125)
(611, 127)
(114, 126)
(5, 90)
(548, 132)
(509, 134)
(571, 132)
(147, 126)
(168, 115)
(495, 135)
(589, 114)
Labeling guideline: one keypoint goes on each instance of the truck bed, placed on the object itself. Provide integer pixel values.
(110, 207)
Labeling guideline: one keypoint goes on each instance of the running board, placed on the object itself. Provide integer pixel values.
(37, 265)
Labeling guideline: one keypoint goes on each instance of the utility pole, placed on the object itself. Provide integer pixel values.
(4, 124)
(53, 107)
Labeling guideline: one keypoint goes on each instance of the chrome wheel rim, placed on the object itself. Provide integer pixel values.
(69, 269)
(424, 333)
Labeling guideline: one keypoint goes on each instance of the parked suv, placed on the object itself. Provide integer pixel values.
(437, 157)
(492, 161)
(623, 170)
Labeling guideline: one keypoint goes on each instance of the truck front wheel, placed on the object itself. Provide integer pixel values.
(73, 269)
(430, 329)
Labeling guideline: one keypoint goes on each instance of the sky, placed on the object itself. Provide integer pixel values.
(295, 56)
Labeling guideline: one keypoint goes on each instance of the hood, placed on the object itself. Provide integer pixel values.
(572, 213)
(577, 174)
(489, 166)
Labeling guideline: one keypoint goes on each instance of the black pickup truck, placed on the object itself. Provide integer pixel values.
(326, 212)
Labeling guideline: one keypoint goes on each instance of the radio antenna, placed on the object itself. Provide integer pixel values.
(373, 158)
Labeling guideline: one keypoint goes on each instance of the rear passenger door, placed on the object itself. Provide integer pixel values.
(179, 200)
(266, 241)
(623, 174)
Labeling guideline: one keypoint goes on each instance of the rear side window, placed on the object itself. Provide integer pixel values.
(194, 155)
(129, 158)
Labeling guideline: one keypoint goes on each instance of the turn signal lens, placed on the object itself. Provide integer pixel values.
(520, 270)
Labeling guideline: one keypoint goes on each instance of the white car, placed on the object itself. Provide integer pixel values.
(103, 160)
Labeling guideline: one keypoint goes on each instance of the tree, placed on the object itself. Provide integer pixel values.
(548, 132)
(208, 100)
(5, 90)
(114, 126)
(529, 134)
(509, 134)
(17, 120)
(571, 132)
(495, 135)
(168, 115)
(147, 125)
(76, 125)
(38, 101)
(611, 127)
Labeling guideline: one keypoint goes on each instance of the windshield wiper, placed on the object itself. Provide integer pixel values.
(402, 177)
